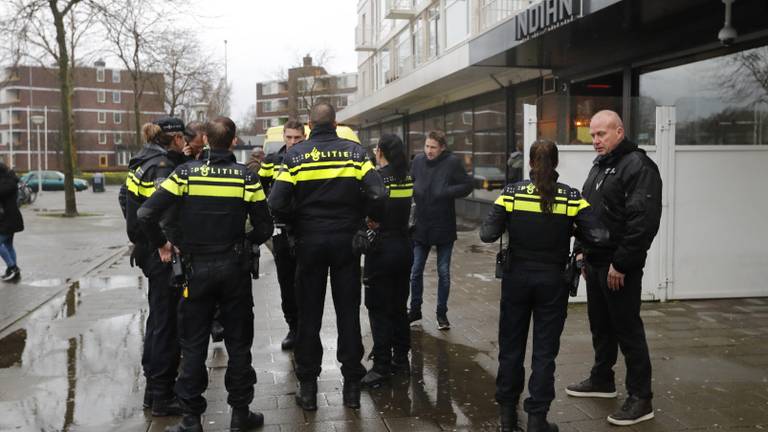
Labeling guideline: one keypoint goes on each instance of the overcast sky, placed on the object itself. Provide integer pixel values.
(264, 36)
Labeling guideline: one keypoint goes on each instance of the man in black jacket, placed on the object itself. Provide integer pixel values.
(439, 179)
(624, 187)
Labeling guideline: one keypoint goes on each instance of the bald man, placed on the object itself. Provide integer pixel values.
(624, 188)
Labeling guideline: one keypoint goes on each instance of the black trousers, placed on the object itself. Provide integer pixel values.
(540, 292)
(160, 358)
(213, 280)
(285, 263)
(614, 319)
(387, 286)
(318, 255)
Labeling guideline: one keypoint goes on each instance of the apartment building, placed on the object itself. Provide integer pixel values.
(292, 97)
(102, 103)
(687, 77)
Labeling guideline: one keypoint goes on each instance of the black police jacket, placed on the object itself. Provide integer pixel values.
(214, 198)
(397, 206)
(437, 185)
(536, 236)
(146, 171)
(327, 185)
(624, 187)
(270, 167)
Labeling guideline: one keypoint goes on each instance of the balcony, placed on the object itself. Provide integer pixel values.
(364, 40)
(400, 9)
(495, 11)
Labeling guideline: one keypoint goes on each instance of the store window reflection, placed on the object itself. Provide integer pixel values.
(416, 136)
(490, 138)
(458, 131)
(726, 103)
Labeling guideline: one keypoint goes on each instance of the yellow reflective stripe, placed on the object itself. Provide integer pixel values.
(506, 201)
(538, 197)
(254, 196)
(535, 207)
(134, 179)
(216, 191)
(306, 165)
(266, 172)
(216, 179)
(286, 176)
(172, 185)
(400, 193)
(327, 174)
(577, 206)
(267, 165)
(367, 166)
(178, 179)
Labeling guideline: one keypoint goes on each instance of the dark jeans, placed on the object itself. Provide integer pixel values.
(160, 359)
(286, 277)
(527, 291)
(420, 254)
(387, 271)
(614, 319)
(317, 256)
(7, 252)
(216, 280)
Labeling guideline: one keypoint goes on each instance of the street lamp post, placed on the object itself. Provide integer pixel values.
(38, 120)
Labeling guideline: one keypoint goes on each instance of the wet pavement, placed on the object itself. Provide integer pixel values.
(73, 364)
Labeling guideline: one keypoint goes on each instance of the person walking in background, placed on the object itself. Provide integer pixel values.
(388, 267)
(624, 186)
(540, 215)
(11, 221)
(439, 178)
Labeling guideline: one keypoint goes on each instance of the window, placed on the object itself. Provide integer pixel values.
(101, 96)
(100, 75)
(102, 137)
(123, 157)
(102, 117)
(103, 160)
(458, 131)
(116, 97)
(117, 118)
(490, 148)
(456, 21)
(267, 106)
(724, 105)
(115, 76)
(384, 75)
(433, 31)
(404, 52)
(118, 137)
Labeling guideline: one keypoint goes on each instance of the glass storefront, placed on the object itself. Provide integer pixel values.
(490, 151)
(719, 101)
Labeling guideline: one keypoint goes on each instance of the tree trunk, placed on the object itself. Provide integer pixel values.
(137, 113)
(67, 121)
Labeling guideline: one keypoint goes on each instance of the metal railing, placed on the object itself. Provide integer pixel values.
(493, 12)
(400, 9)
(364, 39)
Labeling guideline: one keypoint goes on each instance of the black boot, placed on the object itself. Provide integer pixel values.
(290, 339)
(539, 423)
(190, 423)
(508, 418)
(351, 394)
(306, 397)
(374, 378)
(244, 420)
(400, 365)
(147, 404)
(166, 407)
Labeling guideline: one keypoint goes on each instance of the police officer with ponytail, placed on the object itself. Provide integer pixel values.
(154, 163)
(540, 215)
(388, 267)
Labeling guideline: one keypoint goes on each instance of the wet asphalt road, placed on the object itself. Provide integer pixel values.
(70, 350)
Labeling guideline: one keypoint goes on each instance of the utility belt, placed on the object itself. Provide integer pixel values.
(244, 253)
(509, 258)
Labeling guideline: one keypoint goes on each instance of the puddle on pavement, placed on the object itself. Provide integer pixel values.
(45, 283)
(90, 378)
(446, 384)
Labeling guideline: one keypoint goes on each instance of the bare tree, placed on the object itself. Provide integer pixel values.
(45, 30)
(743, 77)
(305, 81)
(132, 32)
(219, 98)
(187, 70)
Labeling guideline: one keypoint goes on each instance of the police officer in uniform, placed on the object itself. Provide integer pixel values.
(388, 267)
(215, 196)
(540, 215)
(285, 261)
(147, 170)
(325, 186)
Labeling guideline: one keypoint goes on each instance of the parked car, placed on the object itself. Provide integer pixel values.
(488, 178)
(52, 181)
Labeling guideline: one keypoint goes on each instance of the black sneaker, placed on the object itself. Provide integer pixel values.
(442, 322)
(414, 315)
(351, 394)
(245, 420)
(589, 388)
(12, 274)
(634, 410)
(290, 339)
(217, 331)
